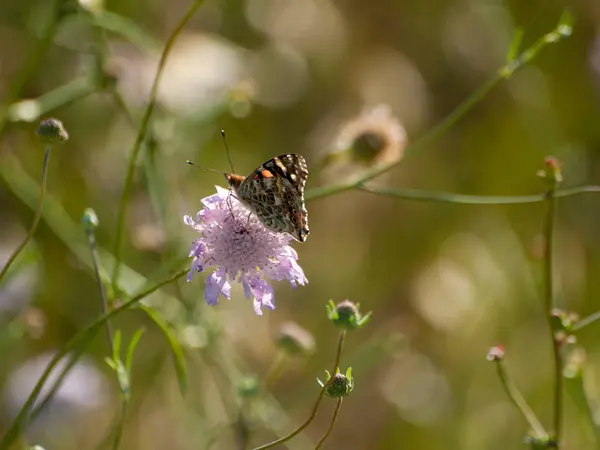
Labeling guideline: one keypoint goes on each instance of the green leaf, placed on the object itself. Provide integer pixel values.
(127, 28)
(111, 363)
(132, 345)
(176, 349)
(513, 50)
(117, 345)
(565, 23)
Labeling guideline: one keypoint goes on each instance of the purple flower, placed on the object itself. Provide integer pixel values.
(242, 249)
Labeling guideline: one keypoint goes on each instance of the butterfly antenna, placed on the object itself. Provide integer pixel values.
(227, 150)
(203, 168)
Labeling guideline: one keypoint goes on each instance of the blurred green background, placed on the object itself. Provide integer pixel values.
(445, 282)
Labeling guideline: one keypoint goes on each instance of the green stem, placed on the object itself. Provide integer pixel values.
(96, 266)
(449, 121)
(418, 145)
(140, 139)
(549, 306)
(74, 357)
(449, 197)
(331, 424)
(83, 337)
(519, 401)
(586, 321)
(120, 425)
(275, 370)
(315, 409)
(66, 94)
(36, 217)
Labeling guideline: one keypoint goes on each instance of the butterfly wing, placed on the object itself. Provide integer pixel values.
(275, 193)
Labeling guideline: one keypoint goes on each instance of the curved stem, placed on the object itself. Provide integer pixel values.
(83, 338)
(315, 409)
(519, 401)
(451, 119)
(450, 197)
(140, 139)
(36, 217)
(331, 424)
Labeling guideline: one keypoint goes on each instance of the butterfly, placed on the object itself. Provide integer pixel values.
(275, 193)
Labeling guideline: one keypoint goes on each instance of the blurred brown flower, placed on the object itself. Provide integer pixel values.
(295, 340)
(375, 137)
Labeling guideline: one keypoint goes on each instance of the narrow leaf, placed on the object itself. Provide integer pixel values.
(176, 349)
(131, 349)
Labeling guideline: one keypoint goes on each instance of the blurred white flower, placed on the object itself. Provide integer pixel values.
(201, 70)
(313, 27)
(19, 284)
(84, 390)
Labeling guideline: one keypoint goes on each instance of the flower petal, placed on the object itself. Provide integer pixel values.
(216, 284)
(247, 288)
(189, 221)
(257, 306)
(242, 250)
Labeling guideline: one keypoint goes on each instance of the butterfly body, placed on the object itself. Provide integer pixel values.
(275, 193)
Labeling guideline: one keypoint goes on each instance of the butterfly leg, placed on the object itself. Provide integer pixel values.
(230, 206)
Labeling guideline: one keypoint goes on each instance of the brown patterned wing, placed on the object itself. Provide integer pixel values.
(275, 193)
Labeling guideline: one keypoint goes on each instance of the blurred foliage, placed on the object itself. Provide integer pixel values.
(445, 281)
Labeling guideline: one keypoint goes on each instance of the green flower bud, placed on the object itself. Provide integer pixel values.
(346, 315)
(89, 220)
(340, 385)
(249, 386)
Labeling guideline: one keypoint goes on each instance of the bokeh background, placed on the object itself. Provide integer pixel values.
(445, 282)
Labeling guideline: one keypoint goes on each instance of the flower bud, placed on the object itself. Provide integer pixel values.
(496, 353)
(249, 386)
(89, 220)
(346, 315)
(52, 130)
(340, 385)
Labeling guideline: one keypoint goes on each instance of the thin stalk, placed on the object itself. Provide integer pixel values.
(83, 337)
(331, 424)
(275, 370)
(74, 357)
(120, 425)
(140, 139)
(450, 197)
(561, 31)
(549, 306)
(315, 409)
(105, 308)
(443, 126)
(586, 321)
(519, 401)
(36, 217)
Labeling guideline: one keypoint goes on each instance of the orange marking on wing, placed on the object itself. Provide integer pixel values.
(266, 174)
